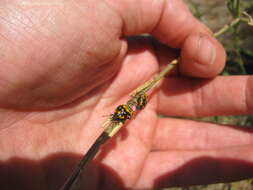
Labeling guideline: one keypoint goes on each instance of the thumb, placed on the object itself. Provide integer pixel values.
(172, 23)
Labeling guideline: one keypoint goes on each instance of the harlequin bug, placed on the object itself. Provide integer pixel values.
(122, 113)
(141, 101)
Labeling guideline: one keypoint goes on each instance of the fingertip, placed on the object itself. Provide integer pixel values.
(202, 56)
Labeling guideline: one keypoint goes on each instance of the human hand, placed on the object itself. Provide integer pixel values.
(68, 65)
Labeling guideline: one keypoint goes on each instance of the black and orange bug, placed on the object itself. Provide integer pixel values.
(122, 113)
(141, 101)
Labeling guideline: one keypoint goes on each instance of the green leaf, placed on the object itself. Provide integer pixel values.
(246, 53)
(234, 7)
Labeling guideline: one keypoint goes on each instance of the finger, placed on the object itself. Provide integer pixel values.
(173, 24)
(198, 56)
(170, 21)
(183, 168)
(220, 96)
(202, 56)
(179, 134)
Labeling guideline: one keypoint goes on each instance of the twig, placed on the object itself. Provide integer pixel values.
(114, 127)
(225, 28)
(86, 158)
(245, 17)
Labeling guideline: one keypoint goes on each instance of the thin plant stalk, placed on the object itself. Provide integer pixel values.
(246, 18)
(227, 27)
(113, 128)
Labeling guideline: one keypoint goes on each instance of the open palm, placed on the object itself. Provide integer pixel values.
(64, 66)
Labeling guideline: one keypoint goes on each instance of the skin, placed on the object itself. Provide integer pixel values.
(66, 64)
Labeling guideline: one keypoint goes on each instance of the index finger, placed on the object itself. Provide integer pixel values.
(224, 95)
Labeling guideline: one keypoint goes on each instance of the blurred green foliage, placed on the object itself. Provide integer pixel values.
(234, 7)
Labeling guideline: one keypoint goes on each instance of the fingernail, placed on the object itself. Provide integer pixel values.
(206, 51)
